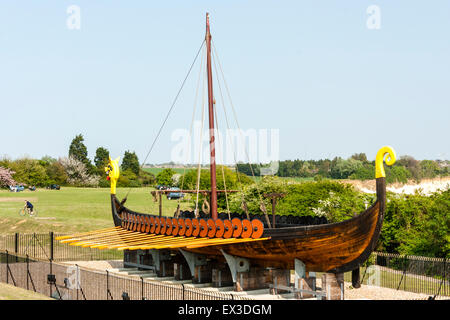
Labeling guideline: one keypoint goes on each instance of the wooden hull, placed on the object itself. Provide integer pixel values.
(335, 247)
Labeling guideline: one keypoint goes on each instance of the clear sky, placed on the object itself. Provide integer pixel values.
(334, 77)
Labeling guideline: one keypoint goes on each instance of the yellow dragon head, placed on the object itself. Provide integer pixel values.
(113, 172)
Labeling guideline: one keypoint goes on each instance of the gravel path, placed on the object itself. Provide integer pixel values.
(364, 293)
(379, 293)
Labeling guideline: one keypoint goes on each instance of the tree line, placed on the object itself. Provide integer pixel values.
(76, 169)
(356, 167)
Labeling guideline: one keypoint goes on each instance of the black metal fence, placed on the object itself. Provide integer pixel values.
(408, 273)
(44, 246)
(71, 282)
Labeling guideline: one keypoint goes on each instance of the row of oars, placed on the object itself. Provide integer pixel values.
(204, 228)
(123, 239)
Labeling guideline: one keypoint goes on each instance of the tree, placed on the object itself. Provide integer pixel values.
(165, 177)
(130, 162)
(29, 171)
(233, 181)
(342, 169)
(6, 179)
(430, 168)
(77, 173)
(101, 157)
(360, 156)
(412, 165)
(56, 173)
(78, 151)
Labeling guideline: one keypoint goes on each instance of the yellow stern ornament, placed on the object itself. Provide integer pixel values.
(379, 168)
(113, 172)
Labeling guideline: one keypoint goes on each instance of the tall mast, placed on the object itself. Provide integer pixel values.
(211, 123)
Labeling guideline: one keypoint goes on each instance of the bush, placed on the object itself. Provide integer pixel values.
(128, 179)
(335, 200)
(417, 225)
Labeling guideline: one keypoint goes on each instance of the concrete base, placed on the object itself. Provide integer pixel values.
(221, 277)
(203, 274)
(145, 258)
(333, 286)
(130, 256)
(306, 283)
(181, 271)
(166, 269)
(280, 277)
(254, 279)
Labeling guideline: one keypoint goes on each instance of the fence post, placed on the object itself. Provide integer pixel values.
(142, 288)
(107, 285)
(403, 275)
(182, 285)
(445, 274)
(406, 268)
(51, 269)
(28, 272)
(16, 245)
(443, 282)
(51, 245)
(7, 267)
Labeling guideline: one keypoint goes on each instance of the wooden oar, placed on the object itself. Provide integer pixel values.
(75, 235)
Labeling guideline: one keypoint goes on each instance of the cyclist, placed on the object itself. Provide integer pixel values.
(29, 206)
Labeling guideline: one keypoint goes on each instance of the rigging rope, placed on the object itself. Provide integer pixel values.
(200, 148)
(262, 205)
(223, 172)
(228, 127)
(192, 122)
(170, 110)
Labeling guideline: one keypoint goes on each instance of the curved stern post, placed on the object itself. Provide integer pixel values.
(113, 172)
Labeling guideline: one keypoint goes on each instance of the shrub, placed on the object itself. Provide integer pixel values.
(165, 177)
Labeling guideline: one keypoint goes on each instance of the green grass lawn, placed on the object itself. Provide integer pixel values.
(73, 209)
(10, 292)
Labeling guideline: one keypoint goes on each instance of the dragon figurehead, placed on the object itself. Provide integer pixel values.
(113, 172)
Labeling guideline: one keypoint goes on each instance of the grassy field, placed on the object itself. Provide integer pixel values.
(155, 171)
(73, 209)
(9, 292)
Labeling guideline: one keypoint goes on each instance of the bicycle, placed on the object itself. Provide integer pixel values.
(27, 210)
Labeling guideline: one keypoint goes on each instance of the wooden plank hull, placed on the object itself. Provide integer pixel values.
(335, 247)
(329, 248)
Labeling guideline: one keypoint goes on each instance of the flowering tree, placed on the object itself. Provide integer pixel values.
(77, 173)
(6, 179)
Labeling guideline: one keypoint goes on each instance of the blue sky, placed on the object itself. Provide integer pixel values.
(312, 69)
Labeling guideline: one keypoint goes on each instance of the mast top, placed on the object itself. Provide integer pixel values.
(208, 33)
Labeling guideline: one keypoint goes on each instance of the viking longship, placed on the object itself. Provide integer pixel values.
(322, 247)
